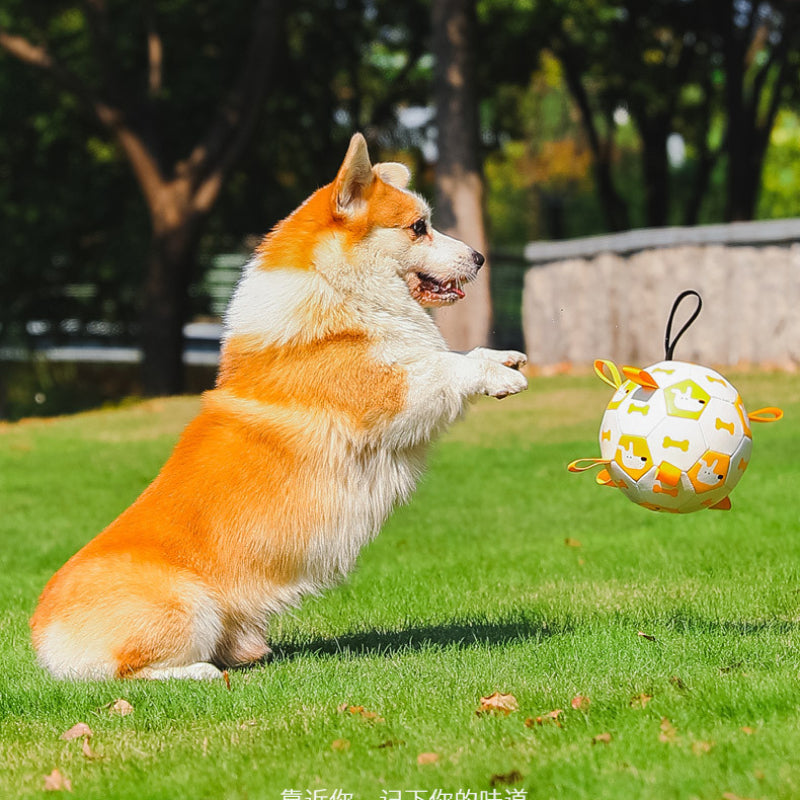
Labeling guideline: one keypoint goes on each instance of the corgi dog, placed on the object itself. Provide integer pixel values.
(333, 379)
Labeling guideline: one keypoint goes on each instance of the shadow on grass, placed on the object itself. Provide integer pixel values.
(458, 633)
(485, 632)
(686, 622)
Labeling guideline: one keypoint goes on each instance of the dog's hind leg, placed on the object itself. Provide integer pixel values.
(151, 621)
(242, 644)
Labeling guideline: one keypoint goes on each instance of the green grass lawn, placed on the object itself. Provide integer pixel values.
(469, 590)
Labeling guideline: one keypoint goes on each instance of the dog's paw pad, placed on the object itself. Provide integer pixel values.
(514, 359)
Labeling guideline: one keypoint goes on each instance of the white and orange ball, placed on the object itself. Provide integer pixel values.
(680, 444)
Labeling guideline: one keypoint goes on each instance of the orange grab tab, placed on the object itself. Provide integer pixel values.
(604, 478)
(641, 377)
(582, 464)
(768, 414)
(613, 379)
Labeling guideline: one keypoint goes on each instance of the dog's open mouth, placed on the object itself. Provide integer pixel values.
(429, 291)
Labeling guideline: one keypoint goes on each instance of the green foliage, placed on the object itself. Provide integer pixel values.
(343, 68)
(781, 178)
(71, 211)
(71, 214)
(705, 71)
(469, 590)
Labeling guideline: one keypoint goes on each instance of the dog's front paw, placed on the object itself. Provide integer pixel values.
(508, 358)
(502, 381)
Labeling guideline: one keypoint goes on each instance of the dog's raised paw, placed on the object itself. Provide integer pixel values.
(513, 358)
(501, 381)
(508, 358)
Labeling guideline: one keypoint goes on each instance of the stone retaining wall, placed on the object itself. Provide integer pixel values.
(616, 306)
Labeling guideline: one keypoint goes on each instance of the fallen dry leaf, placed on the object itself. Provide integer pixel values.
(56, 782)
(649, 637)
(701, 748)
(569, 542)
(515, 776)
(580, 703)
(551, 717)
(748, 730)
(732, 796)
(362, 712)
(87, 750)
(669, 733)
(340, 744)
(227, 678)
(427, 758)
(498, 703)
(640, 700)
(78, 730)
(602, 738)
(121, 707)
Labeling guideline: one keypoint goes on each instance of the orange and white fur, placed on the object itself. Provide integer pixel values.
(333, 379)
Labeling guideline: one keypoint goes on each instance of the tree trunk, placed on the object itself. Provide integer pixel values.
(706, 160)
(702, 180)
(737, 139)
(176, 228)
(655, 168)
(459, 182)
(180, 195)
(613, 207)
(165, 310)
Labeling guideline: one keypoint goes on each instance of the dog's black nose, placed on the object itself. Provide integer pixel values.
(478, 258)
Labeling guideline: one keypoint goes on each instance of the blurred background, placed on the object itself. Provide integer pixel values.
(145, 147)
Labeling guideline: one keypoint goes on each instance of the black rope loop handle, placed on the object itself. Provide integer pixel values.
(669, 345)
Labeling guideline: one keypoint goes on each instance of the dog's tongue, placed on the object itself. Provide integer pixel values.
(451, 287)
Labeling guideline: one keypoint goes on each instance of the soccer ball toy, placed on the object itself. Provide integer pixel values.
(676, 436)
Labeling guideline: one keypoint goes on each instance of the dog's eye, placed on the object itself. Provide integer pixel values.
(419, 228)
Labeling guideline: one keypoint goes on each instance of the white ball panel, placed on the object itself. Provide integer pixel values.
(722, 426)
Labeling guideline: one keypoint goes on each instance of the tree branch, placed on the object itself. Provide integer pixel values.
(98, 20)
(38, 56)
(102, 43)
(110, 117)
(764, 130)
(155, 54)
(218, 150)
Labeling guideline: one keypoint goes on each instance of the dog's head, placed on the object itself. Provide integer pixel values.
(358, 239)
(378, 212)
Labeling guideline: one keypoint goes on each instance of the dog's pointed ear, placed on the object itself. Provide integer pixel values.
(393, 173)
(354, 179)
